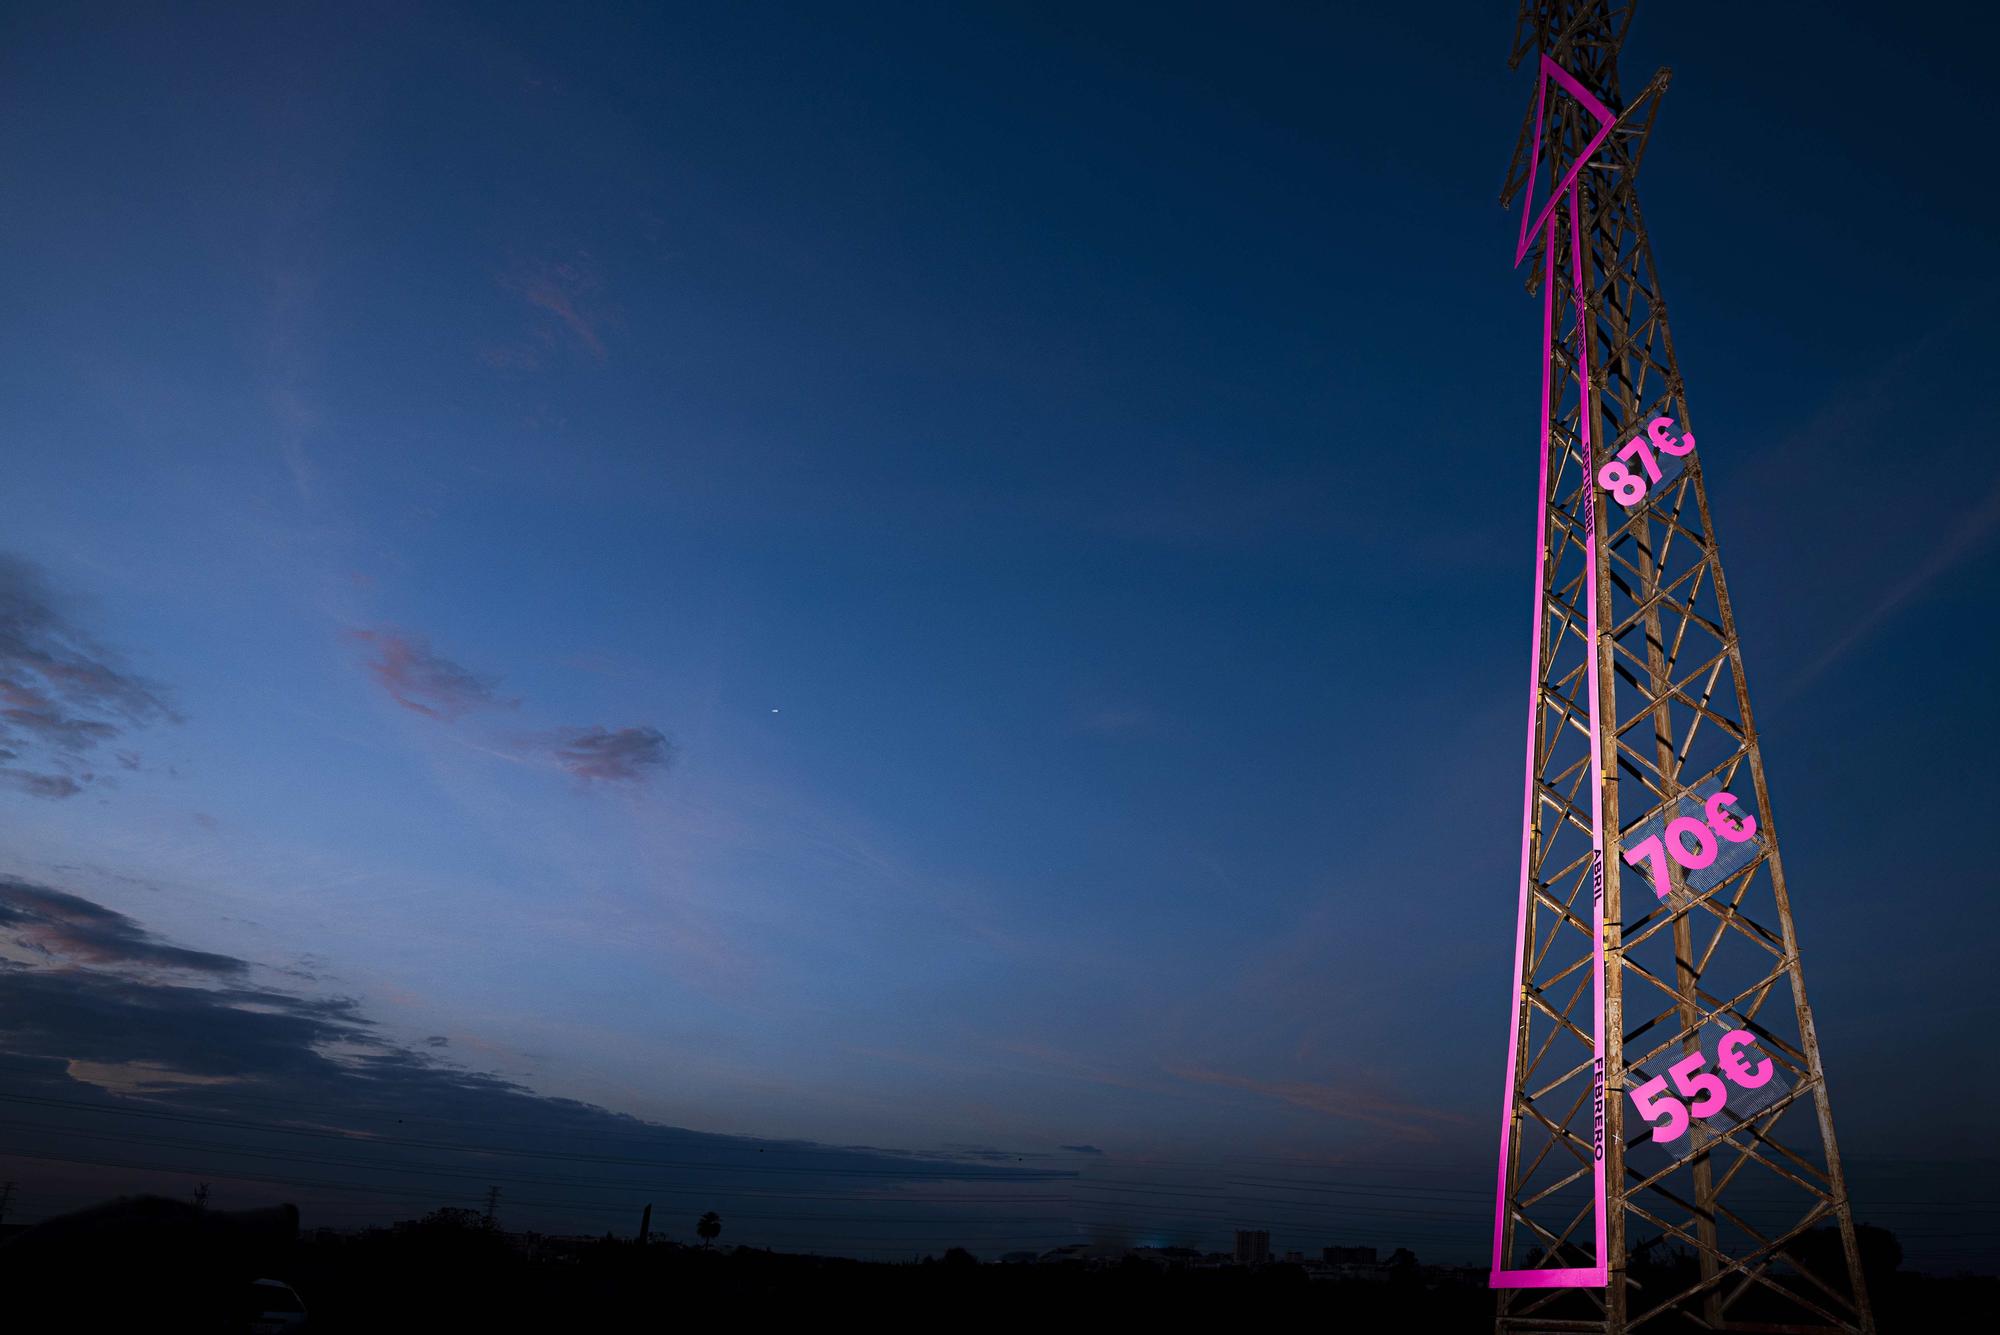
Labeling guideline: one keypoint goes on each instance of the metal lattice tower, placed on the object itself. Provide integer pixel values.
(1640, 729)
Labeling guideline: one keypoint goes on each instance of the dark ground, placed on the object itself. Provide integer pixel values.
(159, 1265)
(350, 1286)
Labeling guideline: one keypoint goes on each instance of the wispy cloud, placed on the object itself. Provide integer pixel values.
(1333, 1100)
(564, 290)
(424, 681)
(1117, 720)
(1073, 1066)
(626, 755)
(43, 785)
(510, 358)
(296, 420)
(61, 693)
(1972, 531)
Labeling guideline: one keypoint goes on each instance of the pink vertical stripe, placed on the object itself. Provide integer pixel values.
(1528, 794)
(1586, 404)
(1582, 1276)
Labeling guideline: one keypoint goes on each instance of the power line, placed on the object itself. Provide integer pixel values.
(975, 1171)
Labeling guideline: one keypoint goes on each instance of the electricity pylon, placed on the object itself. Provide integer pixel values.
(1667, 1158)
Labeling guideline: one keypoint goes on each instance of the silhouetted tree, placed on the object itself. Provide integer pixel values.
(958, 1256)
(708, 1227)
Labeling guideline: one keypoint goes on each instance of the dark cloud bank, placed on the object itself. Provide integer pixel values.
(57, 924)
(131, 1063)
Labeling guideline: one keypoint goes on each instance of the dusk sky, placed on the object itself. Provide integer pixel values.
(946, 578)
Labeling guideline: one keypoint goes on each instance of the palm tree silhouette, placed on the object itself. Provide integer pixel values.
(708, 1226)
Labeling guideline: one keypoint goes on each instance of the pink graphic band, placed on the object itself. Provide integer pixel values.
(1585, 411)
(1597, 1275)
(1532, 223)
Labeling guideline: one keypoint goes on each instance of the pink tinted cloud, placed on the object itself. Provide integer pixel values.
(562, 290)
(423, 681)
(626, 755)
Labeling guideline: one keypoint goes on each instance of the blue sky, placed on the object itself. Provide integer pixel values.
(952, 576)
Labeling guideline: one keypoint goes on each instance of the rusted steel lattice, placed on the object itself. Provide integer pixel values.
(1667, 1154)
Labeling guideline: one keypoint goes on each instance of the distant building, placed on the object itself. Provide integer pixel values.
(1352, 1265)
(1253, 1246)
(1166, 1257)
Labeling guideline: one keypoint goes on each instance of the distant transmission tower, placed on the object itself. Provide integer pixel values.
(1667, 1159)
